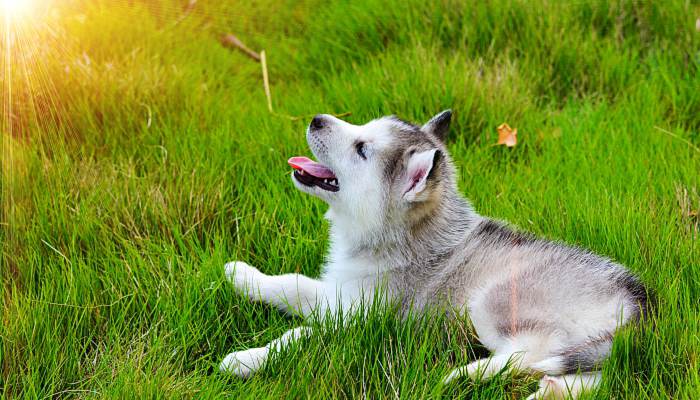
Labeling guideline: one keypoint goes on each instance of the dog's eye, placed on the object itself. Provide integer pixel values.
(360, 149)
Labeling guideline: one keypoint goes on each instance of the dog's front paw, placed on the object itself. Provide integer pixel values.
(477, 370)
(242, 276)
(474, 371)
(454, 374)
(244, 363)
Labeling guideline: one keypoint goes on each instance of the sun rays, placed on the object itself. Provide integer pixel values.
(59, 85)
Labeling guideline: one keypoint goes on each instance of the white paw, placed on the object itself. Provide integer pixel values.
(242, 276)
(475, 371)
(244, 363)
(454, 374)
(479, 369)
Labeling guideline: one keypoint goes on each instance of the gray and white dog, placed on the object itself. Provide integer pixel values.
(399, 222)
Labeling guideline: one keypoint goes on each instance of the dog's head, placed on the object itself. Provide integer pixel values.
(384, 170)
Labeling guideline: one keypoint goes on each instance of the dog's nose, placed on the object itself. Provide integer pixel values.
(318, 122)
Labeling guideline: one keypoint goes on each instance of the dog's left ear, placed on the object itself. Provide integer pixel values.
(439, 124)
(421, 167)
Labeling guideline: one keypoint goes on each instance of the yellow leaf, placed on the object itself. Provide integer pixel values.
(507, 135)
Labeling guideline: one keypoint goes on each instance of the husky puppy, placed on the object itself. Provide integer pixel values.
(398, 221)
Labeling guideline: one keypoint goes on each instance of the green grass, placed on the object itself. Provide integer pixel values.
(115, 229)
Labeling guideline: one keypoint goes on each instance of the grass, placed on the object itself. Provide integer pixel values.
(139, 156)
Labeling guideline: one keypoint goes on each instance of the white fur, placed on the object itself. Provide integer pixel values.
(345, 284)
(346, 280)
(247, 362)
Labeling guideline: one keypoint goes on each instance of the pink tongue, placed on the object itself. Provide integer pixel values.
(311, 167)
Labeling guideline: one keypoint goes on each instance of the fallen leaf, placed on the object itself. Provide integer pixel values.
(507, 135)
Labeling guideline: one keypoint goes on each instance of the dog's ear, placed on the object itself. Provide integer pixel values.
(420, 168)
(439, 124)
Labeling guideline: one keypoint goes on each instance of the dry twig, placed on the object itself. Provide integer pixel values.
(266, 81)
(686, 141)
(231, 41)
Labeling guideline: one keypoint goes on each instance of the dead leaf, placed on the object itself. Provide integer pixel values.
(507, 135)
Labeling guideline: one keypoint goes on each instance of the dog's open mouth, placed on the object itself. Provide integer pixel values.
(310, 173)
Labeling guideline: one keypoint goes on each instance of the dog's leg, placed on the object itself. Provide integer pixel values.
(486, 367)
(291, 293)
(246, 362)
(561, 387)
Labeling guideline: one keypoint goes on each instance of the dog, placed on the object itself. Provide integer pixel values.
(398, 222)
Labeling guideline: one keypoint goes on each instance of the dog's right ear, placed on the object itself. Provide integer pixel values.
(438, 125)
(420, 168)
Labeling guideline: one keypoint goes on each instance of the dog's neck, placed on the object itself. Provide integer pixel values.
(436, 232)
(433, 231)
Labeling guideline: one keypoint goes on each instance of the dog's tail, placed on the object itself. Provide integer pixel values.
(584, 357)
(587, 356)
(644, 297)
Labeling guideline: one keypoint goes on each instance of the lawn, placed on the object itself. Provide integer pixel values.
(139, 155)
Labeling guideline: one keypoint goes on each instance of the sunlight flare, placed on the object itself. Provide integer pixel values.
(12, 9)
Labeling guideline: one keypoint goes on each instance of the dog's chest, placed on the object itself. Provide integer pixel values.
(350, 279)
